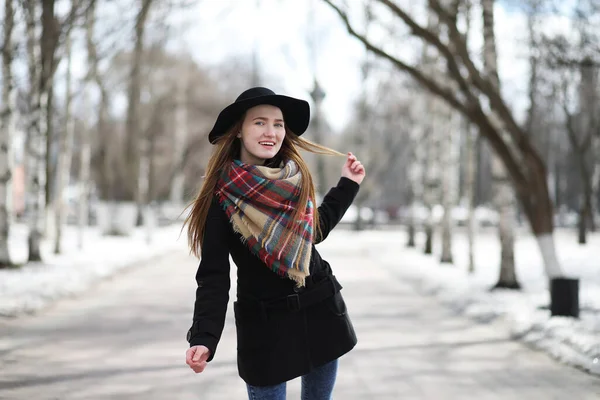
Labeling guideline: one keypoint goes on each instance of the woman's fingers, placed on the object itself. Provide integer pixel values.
(196, 358)
(199, 367)
(355, 165)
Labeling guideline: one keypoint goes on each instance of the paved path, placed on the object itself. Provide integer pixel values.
(125, 340)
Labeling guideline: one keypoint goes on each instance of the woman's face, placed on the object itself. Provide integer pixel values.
(262, 134)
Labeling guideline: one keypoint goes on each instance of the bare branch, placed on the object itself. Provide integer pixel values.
(428, 82)
(472, 109)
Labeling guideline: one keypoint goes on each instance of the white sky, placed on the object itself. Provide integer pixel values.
(217, 30)
(278, 28)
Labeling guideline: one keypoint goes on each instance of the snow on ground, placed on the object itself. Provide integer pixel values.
(573, 341)
(35, 285)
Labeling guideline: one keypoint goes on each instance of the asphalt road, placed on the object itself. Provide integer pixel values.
(125, 340)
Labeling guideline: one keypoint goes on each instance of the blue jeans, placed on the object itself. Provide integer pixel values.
(316, 385)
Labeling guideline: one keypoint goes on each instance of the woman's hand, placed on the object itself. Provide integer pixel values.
(353, 169)
(196, 357)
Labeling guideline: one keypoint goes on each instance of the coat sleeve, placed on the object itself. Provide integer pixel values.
(335, 204)
(212, 277)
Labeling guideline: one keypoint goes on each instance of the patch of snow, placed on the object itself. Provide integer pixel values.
(35, 285)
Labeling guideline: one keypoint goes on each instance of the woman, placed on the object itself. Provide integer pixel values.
(257, 205)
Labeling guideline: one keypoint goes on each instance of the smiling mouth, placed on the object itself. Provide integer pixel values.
(267, 144)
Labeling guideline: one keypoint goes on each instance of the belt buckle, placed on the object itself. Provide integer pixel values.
(293, 302)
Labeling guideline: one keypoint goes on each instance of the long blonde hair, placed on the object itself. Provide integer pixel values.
(227, 148)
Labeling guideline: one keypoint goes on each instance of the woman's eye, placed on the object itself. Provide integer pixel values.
(259, 123)
(279, 125)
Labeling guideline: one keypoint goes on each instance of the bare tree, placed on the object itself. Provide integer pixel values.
(470, 191)
(36, 146)
(579, 132)
(136, 146)
(181, 133)
(84, 178)
(65, 137)
(504, 192)
(6, 133)
(525, 167)
(470, 151)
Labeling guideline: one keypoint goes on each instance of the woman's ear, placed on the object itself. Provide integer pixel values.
(239, 135)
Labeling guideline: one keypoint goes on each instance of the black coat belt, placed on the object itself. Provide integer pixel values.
(307, 297)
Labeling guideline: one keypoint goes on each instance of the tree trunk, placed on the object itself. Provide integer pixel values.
(447, 171)
(6, 133)
(470, 194)
(50, 220)
(84, 171)
(180, 137)
(595, 187)
(411, 213)
(35, 196)
(411, 233)
(416, 180)
(48, 44)
(470, 172)
(106, 139)
(134, 141)
(63, 170)
(585, 205)
(504, 193)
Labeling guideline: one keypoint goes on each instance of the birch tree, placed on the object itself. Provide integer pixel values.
(470, 155)
(6, 133)
(470, 191)
(415, 174)
(36, 146)
(468, 89)
(181, 133)
(84, 177)
(431, 152)
(447, 172)
(430, 170)
(137, 146)
(503, 196)
(66, 136)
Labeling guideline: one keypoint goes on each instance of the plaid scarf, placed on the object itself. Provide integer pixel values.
(259, 202)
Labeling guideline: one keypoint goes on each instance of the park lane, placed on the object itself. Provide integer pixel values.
(125, 340)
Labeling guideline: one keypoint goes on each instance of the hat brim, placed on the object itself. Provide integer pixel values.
(296, 114)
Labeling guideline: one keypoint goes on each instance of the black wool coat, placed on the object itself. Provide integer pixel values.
(273, 345)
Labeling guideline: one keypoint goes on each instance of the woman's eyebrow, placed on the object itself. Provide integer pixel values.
(266, 119)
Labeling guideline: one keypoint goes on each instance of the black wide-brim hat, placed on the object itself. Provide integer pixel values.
(296, 112)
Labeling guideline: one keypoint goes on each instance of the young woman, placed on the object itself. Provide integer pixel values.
(257, 205)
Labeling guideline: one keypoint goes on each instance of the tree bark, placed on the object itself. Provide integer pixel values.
(595, 186)
(181, 135)
(135, 144)
(446, 182)
(504, 194)
(63, 170)
(83, 206)
(430, 184)
(585, 205)
(6, 133)
(470, 194)
(580, 148)
(35, 196)
(48, 44)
